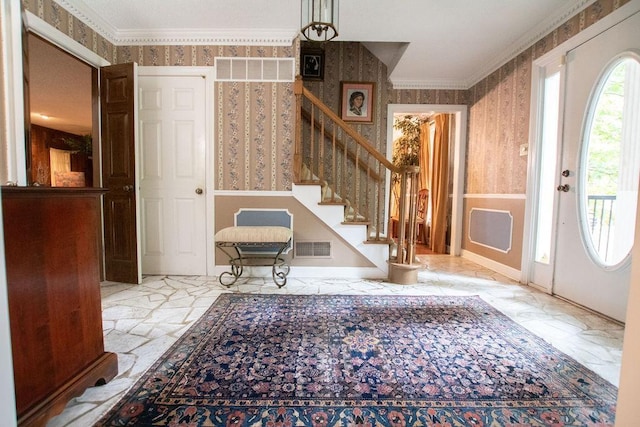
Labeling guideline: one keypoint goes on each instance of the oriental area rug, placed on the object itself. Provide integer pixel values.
(287, 360)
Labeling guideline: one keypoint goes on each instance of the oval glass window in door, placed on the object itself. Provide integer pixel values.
(611, 163)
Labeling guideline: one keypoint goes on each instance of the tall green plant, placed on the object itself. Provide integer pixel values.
(406, 149)
(82, 144)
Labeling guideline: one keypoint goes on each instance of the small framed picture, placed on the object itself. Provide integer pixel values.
(312, 64)
(356, 101)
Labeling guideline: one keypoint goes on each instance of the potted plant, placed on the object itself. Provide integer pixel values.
(81, 144)
(406, 149)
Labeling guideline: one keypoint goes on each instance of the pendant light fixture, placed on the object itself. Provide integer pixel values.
(319, 19)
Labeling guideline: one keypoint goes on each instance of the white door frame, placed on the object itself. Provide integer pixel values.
(17, 153)
(535, 121)
(207, 73)
(459, 148)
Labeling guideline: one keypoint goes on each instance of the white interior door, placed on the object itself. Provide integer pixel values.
(589, 270)
(172, 174)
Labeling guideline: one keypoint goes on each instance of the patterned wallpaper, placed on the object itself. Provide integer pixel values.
(429, 96)
(254, 136)
(349, 61)
(499, 111)
(352, 62)
(56, 16)
(254, 121)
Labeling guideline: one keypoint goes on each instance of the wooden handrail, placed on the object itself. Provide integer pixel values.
(329, 135)
(361, 185)
(362, 141)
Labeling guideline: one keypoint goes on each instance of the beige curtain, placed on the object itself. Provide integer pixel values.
(440, 185)
(425, 157)
(59, 161)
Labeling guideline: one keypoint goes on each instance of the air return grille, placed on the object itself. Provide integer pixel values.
(304, 249)
(238, 69)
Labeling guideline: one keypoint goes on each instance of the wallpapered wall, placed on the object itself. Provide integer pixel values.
(352, 62)
(253, 127)
(499, 111)
(499, 108)
(254, 121)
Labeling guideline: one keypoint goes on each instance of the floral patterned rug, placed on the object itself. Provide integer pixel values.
(286, 360)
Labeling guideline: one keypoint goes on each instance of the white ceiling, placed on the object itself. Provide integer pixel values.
(425, 43)
(59, 89)
(449, 43)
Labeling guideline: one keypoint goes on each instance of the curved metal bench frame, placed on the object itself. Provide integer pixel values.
(279, 267)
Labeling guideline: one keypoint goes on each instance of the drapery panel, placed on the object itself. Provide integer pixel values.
(440, 185)
(425, 156)
(60, 161)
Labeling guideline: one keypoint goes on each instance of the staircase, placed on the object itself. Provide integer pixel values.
(353, 233)
(340, 176)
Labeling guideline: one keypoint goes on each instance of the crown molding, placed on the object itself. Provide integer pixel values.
(40, 27)
(238, 37)
(529, 39)
(432, 84)
(90, 18)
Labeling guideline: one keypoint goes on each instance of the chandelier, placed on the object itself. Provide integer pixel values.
(319, 19)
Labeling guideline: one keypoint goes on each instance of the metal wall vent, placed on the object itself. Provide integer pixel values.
(312, 249)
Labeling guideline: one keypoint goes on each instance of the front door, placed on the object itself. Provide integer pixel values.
(599, 162)
(118, 105)
(172, 174)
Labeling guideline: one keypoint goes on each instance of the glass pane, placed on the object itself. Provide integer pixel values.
(548, 162)
(612, 163)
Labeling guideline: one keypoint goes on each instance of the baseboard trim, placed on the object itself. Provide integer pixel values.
(505, 270)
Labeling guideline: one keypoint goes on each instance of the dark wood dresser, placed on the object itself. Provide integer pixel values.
(52, 241)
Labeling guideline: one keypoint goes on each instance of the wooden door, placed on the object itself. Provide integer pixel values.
(117, 90)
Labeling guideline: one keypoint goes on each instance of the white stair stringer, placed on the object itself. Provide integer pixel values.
(354, 234)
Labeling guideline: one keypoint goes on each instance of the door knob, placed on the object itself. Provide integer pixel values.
(198, 190)
(127, 188)
(566, 173)
(564, 188)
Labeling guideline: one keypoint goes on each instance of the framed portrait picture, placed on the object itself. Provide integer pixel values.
(356, 101)
(312, 64)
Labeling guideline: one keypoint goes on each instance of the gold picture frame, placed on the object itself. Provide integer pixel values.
(356, 101)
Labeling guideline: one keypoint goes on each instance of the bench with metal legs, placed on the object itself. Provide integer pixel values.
(254, 246)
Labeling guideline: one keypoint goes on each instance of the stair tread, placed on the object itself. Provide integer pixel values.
(309, 182)
(379, 241)
(329, 202)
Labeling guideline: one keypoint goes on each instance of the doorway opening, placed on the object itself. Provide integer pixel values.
(61, 131)
(450, 184)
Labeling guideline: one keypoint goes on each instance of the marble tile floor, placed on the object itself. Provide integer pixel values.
(142, 321)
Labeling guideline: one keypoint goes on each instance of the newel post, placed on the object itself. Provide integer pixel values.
(403, 270)
(408, 212)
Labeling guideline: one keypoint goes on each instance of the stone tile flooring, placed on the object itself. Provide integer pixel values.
(142, 321)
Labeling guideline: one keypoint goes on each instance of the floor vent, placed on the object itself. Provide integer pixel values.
(305, 249)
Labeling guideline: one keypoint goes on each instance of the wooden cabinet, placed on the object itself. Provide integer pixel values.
(52, 241)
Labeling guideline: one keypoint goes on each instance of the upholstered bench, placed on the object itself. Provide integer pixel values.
(254, 246)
